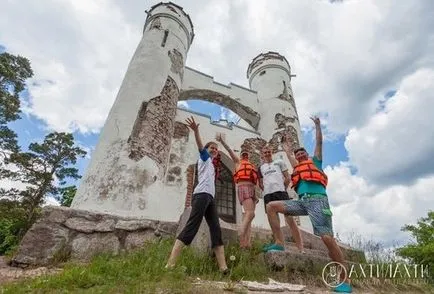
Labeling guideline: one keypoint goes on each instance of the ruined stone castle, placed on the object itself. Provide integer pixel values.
(144, 163)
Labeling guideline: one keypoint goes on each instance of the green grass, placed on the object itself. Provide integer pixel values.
(143, 271)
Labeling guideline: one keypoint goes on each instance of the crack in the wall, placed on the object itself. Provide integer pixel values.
(284, 95)
(292, 102)
(155, 24)
(130, 180)
(172, 9)
(282, 121)
(180, 136)
(289, 132)
(177, 61)
(181, 130)
(254, 147)
(153, 129)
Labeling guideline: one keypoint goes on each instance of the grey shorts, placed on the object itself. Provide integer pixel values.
(317, 208)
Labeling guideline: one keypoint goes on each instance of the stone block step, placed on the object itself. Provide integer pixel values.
(294, 260)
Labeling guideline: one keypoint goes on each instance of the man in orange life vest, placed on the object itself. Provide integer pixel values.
(246, 179)
(309, 181)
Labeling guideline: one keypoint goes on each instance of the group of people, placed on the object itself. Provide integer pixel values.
(307, 179)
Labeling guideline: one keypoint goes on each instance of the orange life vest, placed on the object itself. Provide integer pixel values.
(246, 172)
(307, 171)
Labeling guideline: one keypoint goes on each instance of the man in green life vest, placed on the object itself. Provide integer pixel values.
(309, 181)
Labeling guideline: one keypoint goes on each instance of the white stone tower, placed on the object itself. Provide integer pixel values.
(270, 75)
(133, 149)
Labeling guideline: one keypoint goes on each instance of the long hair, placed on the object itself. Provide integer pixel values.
(216, 161)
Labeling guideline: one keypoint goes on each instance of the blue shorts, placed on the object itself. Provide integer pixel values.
(317, 207)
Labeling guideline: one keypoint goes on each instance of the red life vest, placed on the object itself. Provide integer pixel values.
(307, 171)
(246, 172)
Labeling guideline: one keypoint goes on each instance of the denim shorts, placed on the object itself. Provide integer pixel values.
(316, 206)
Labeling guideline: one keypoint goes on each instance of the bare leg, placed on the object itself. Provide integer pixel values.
(273, 208)
(240, 231)
(249, 214)
(176, 250)
(295, 232)
(220, 256)
(335, 252)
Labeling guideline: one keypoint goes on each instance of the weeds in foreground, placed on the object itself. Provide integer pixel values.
(143, 271)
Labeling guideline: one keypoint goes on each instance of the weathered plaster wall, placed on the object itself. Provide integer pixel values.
(132, 154)
(270, 76)
(144, 155)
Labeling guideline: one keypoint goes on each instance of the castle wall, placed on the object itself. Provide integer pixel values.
(194, 79)
(141, 162)
(129, 161)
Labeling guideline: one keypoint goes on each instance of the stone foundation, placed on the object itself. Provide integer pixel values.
(69, 234)
(64, 234)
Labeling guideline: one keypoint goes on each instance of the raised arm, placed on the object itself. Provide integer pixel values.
(234, 157)
(318, 145)
(287, 147)
(195, 127)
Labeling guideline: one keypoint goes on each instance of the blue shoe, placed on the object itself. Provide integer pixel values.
(343, 288)
(265, 247)
(275, 247)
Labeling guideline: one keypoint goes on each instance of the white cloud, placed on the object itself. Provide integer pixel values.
(227, 114)
(376, 212)
(397, 144)
(78, 51)
(183, 104)
(345, 55)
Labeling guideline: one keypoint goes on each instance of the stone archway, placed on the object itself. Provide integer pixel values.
(244, 112)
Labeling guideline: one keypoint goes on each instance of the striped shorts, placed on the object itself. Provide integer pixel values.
(246, 191)
(317, 207)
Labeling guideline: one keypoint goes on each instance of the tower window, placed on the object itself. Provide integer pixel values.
(166, 33)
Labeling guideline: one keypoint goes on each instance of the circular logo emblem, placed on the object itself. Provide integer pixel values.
(331, 274)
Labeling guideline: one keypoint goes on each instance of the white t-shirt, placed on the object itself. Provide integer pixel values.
(205, 174)
(272, 176)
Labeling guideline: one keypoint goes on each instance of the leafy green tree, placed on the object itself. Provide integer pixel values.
(67, 195)
(14, 70)
(12, 217)
(45, 169)
(422, 251)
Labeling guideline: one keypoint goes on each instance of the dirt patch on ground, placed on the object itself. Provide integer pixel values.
(10, 274)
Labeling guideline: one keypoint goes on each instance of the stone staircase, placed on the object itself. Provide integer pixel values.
(313, 260)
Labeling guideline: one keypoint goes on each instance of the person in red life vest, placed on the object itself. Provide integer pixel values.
(274, 181)
(246, 178)
(310, 182)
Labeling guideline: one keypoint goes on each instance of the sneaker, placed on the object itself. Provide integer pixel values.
(344, 288)
(265, 247)
(275, 247)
